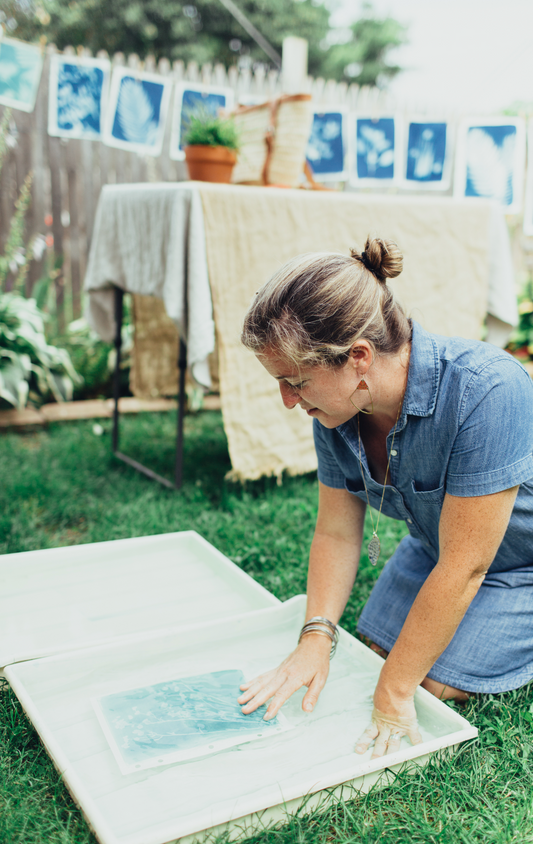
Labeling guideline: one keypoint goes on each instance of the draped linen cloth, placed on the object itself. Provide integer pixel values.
(149, 239)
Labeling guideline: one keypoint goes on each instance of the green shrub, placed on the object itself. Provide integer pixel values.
(521, 340)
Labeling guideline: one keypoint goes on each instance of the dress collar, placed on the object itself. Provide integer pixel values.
(422, 381)
(424, 374)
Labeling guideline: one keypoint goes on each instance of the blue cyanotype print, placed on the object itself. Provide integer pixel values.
(490, 153)
(325, 148)
(178, 715)
(138, 111)
(79, 99)
(426, 152)
(20, 73)
(375, 148)
(198, 101)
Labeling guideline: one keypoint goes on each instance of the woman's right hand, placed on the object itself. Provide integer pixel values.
(308, 665)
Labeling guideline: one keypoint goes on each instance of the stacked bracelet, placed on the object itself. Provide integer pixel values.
(319, 624)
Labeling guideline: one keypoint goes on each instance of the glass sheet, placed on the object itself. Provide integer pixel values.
(180, 719)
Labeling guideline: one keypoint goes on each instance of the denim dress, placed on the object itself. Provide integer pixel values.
(466, 428)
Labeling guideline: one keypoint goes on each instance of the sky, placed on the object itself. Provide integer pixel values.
(473, 55)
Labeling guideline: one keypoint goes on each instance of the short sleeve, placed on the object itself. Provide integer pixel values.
(329, 472)
(493, 449)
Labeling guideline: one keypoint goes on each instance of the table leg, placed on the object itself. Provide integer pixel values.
(182, 369)
(119, 302)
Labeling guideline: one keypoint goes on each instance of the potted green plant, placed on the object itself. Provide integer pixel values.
(211, 144)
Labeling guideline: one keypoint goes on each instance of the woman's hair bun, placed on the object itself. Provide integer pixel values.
(380, 257)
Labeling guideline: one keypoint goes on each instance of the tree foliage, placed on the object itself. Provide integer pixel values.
(204, 31)
(199, 30)
(364, 58)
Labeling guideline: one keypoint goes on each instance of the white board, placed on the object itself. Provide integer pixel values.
(61, 599)
(237, 788)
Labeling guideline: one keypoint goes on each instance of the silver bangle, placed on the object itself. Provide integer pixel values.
(317, 628)
(322, 620)
(319, 624)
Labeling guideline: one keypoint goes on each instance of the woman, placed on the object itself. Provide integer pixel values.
(435, 431)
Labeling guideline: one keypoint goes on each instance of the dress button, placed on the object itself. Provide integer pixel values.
(409, 521)
(393, 452)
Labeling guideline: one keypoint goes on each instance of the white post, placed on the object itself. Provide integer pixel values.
(294, 65)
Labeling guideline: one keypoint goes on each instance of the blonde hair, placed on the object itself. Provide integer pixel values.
(318, 305)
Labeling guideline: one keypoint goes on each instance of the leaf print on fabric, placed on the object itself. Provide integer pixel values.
(490, 163)
(79, 95)
(426, 152)
(375, 148)
(20, 72)
(325, 148)
(135, 113)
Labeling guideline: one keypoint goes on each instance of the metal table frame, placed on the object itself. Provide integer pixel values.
(182, 370)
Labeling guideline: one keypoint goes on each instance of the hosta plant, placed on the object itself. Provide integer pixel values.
(30, 368)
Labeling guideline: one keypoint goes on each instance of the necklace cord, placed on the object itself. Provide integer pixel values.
(375, 527)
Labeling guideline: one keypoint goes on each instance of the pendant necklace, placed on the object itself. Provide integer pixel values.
(374, 546)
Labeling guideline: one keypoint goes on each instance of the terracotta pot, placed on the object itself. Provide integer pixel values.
(210, 164)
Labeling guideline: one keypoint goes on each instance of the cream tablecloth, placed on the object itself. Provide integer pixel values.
(199, 239)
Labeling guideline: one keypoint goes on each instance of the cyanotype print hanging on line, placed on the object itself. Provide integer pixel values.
(20, 73)
(326, 148)
(138, 104)
(77, 98)
(375, 149)
(180, 719)
(427, 154)
(490, 161)
(190, 99)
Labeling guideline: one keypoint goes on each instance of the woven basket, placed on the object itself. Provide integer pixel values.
(154, 370)
(273, 141)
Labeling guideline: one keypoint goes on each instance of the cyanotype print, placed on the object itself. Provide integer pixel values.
(77, 94)
(375, 148)
(426, 152)
(490, 154)
(190, 100)
(325, 148)
(20, 73)
(138, 111)
(179, 719)
(194, 101)
(138, 104)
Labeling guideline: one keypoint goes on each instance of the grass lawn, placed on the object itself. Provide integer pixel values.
(62, 487)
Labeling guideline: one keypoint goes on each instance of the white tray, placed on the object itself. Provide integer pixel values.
(61, 599)
(240, 788)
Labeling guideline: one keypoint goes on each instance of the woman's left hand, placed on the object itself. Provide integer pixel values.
(388, 728)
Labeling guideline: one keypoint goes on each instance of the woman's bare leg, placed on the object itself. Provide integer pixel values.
(444, 692)
(438, 689)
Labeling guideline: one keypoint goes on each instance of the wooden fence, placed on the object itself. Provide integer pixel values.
(68, 174)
